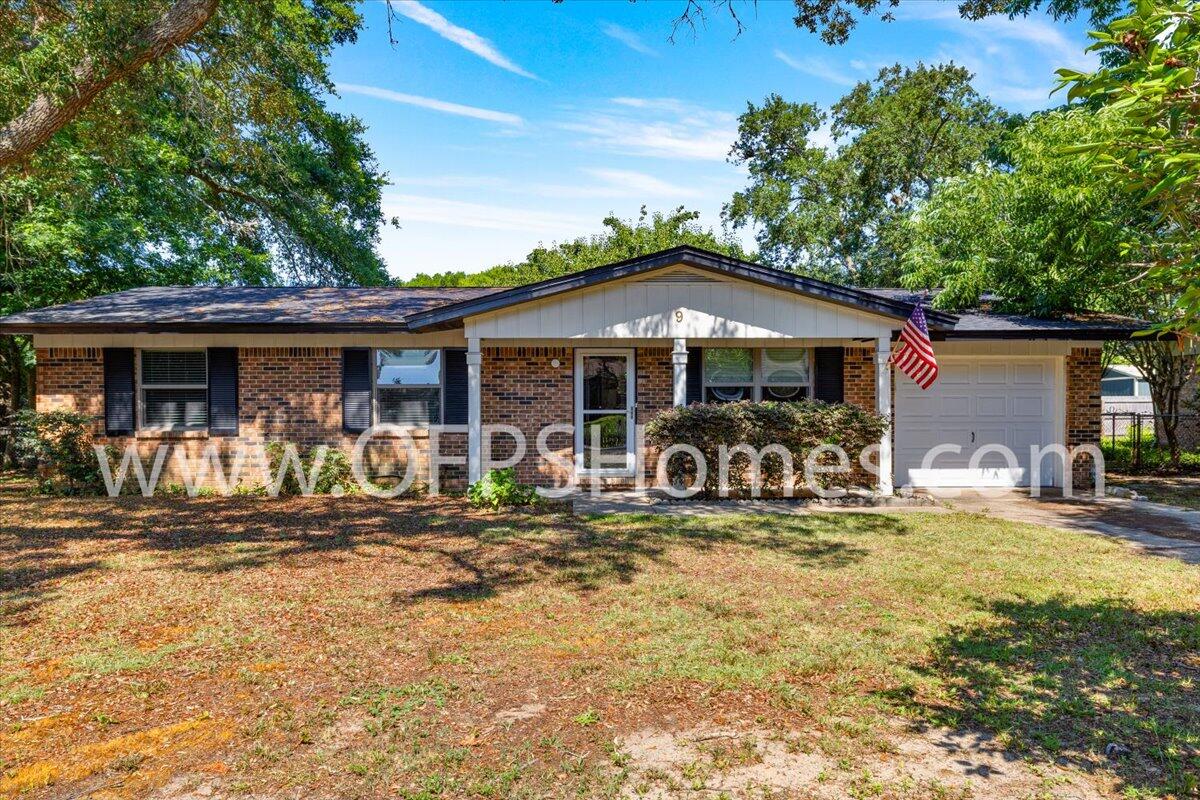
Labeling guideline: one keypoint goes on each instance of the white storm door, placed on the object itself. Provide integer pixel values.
(604, 411)
(977, 403)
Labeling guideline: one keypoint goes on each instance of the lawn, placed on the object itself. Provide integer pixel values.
(1175, 490)
(359, 648)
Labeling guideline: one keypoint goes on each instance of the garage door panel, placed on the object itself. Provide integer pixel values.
(1008, 402)
(991, 406)
(1027, 405)
(952, 374)
(1031, 373)
(954, 406)
(993, 373)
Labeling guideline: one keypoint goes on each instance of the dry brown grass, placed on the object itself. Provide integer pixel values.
(366, 648)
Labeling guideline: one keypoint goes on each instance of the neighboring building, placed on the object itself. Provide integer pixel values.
(617, 344)
(1123, 389)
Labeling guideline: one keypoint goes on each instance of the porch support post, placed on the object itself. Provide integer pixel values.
(679, 359)
(474, 410)
(883, 404)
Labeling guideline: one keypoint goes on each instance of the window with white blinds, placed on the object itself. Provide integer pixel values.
(744, 373)
(174, 389)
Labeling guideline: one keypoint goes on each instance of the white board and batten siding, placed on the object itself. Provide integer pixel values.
(679, 303)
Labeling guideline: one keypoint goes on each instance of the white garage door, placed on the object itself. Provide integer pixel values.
(977, 402)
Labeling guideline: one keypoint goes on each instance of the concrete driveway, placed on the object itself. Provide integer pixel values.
(1158, 529)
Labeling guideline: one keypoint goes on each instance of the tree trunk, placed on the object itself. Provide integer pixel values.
(46, 115)
(1167, 368)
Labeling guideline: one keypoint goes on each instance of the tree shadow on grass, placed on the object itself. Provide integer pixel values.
(472, 555)
(585, 554)
(1064, 680)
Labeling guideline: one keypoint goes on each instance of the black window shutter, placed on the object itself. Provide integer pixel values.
(118, 391)
(828, 363)
(454, 386)
(223, 391)
(356, 389)
(695, 375)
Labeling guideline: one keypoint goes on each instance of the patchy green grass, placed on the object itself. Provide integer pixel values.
(367, 649)
(1174, 490)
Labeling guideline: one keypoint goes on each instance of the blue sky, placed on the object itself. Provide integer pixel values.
(504, 125)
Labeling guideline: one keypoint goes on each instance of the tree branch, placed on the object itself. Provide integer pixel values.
(46, 115)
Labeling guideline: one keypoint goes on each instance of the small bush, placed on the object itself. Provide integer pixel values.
(59, 445)
(335, 470)
(499, 487)
(798, 428)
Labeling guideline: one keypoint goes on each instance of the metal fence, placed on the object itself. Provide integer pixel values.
(1138, 441)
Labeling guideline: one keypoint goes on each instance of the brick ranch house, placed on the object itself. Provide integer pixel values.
(618, 344)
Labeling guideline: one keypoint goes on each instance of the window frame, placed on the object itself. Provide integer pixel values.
(440, 386)
(758, 378)
(141, 391)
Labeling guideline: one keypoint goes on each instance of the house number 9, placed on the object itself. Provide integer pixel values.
(679, 316)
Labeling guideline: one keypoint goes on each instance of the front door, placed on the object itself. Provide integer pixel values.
(604, 412)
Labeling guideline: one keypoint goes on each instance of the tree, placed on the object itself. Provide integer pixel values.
(838, 212)
(622, 240)
(835, 20)
(1154, 154)
(217, 162)
(1049, 236)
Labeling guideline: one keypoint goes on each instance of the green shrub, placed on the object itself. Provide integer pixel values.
(797, 427)
(335, 470)
(59, 444)
(499, 487)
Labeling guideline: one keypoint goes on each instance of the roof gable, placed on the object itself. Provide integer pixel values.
(703, 261)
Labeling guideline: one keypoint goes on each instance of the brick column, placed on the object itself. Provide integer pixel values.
(1083, 375)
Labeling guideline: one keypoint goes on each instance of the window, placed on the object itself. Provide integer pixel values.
(728, 374)
(785, 374)
(174, 389)
(408, 387)
(741, 373)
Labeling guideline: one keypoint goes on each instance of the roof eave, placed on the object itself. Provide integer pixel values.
(18, 328)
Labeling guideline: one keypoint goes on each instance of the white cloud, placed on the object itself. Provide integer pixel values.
(817, 67)
(661, 127)
(858, 64)
(411, 208)
(637, 184)
(1013, 60)
(627, 38)
(466, 39)
(432, 104)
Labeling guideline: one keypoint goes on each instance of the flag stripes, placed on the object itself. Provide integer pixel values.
(914, 353)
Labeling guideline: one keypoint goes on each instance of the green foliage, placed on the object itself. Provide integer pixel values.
(1046, 235)
(334, 476)
(623, 239)
(1152, 85)
(500, 487)
(839, 212)
(835, 19)
(797, 427)
(220, 164)
(58, 444)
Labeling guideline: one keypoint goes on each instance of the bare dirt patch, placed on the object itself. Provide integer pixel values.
(927, 762)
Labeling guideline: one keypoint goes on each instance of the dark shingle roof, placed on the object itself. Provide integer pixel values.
(230, 308)
(248, 309)
(989, 324)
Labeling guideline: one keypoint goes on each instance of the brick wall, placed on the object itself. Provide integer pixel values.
(289, 394)
(858, 375)
(522, 388)
(71, 379)
(655, 394)
(1083, 373)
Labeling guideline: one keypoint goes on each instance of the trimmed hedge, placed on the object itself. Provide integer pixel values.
(798, 427)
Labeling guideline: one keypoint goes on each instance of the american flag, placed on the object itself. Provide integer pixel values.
(914, 354)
